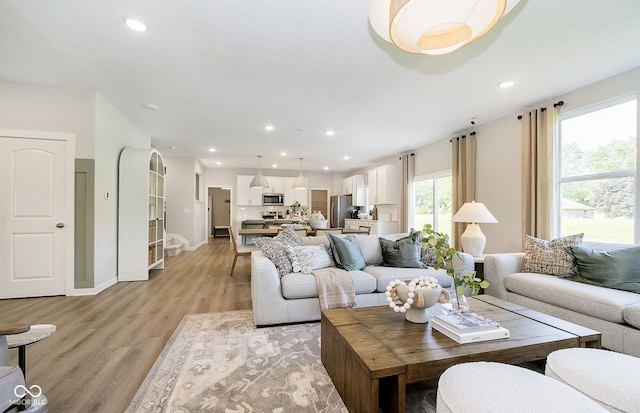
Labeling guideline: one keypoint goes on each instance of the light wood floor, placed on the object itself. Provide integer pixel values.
(105, 344)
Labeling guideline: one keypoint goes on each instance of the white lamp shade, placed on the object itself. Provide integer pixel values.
(474, 212)
(300, 183)
(435, 27)
(259, 181)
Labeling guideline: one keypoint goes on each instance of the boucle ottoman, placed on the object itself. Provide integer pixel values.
(611, 379)
(484, 387)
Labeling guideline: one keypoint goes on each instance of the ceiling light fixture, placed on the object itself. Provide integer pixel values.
(346, 158)
(435, 27)
(506, 84)
(283, 154)
(329, 133)
(259, 181)
(212, 149)
(301, 182)
(136, 25)
(268, 128)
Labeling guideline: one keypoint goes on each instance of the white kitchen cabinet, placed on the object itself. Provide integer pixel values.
(354, 186)
(278, 185)
(383, 185)
(377, 227)
(245, 194)
(141, 195)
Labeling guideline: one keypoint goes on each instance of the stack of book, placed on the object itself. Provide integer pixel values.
(468, 327)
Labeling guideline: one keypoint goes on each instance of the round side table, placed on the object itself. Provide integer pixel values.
(36, 333)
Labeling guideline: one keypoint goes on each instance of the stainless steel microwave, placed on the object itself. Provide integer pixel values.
(272, 199)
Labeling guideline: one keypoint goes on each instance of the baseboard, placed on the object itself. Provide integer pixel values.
(95, 290)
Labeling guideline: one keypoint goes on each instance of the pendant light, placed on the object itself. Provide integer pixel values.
(435, 27)
(259, 181)
(300, 182)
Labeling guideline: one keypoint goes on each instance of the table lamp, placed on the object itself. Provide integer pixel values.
(473, 240)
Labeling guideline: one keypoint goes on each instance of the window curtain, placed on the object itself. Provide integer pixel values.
(537, 172)
(464, 179)
(407, 172)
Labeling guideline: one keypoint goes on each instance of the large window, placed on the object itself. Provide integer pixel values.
(432, 201)
(596, 172)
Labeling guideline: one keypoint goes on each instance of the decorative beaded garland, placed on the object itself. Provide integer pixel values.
(392, 292)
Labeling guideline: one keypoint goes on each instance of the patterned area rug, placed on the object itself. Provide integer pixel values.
(220, 362)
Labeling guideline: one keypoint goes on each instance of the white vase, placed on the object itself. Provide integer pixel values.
(317, 220)
(433, 297)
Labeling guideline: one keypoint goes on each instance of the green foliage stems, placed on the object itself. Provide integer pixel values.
(444, 254)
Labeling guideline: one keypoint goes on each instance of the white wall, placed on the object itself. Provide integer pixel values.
(113, 131)
(200, 209)
(180, 198)
(46, 108)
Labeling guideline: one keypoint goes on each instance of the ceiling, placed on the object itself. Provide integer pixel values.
(219, 71)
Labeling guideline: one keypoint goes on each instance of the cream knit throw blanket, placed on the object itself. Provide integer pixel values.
(335, 288)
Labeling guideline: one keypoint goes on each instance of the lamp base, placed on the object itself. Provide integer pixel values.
(473, 240)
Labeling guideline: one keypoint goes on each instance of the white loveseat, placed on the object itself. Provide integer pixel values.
(615, 313)
(294, 297)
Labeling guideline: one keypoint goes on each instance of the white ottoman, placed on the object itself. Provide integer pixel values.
(611, 379)
(484, 387)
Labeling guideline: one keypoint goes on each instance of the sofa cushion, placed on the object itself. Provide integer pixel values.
(370, 247)
(404, 253)
(275, 248)
(632, 315)
(549, 257)
(299, 285)
(603, 303)
(306, 258)
(619, 268)
(346, 252)
(384, 275)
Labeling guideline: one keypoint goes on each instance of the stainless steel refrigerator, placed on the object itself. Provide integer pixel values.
(340, 208)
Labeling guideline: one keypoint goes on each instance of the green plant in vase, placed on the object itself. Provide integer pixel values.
(295, 208)
(445, 254)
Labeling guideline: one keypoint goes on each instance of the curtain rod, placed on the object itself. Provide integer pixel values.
(463, 136)
(559, 103)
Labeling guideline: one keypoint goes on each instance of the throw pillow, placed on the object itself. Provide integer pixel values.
(275, 249)
(549, 257)
(428, 256)
(346, 252)
(307, 258)
(618, 269)
(404, 252)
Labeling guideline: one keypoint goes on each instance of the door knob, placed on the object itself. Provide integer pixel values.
(60, 225)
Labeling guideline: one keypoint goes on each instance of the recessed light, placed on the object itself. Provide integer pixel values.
(326, 168)
(506, 84)
(136, 25)
(218, 163)
(346, 158)
(283, 154)
(173, 148)
(268, 128)
(212, 149)
(275, 165)
(151, 107)
(329, 133)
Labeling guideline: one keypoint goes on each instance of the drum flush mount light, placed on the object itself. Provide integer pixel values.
(435, 27)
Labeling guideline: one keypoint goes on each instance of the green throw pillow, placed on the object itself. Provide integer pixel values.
(346, 252)
(618, 269)
(404, 253)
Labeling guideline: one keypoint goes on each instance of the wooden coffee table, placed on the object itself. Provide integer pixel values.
(372, 353)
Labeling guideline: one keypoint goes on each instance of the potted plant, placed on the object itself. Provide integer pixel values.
(295, 208)
(444, 254)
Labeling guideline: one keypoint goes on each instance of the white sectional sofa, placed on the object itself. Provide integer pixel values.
(615, 313)
(294, 297)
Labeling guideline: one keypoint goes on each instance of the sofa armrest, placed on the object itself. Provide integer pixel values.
(267, 301)
(464, 263)
(497, 267)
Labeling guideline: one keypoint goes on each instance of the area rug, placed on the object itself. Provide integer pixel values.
(220, 362)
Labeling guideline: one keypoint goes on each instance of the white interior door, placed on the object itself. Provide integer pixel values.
(33, 208)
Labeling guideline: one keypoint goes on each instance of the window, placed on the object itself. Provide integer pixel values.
(432, 201)
(596, 172)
